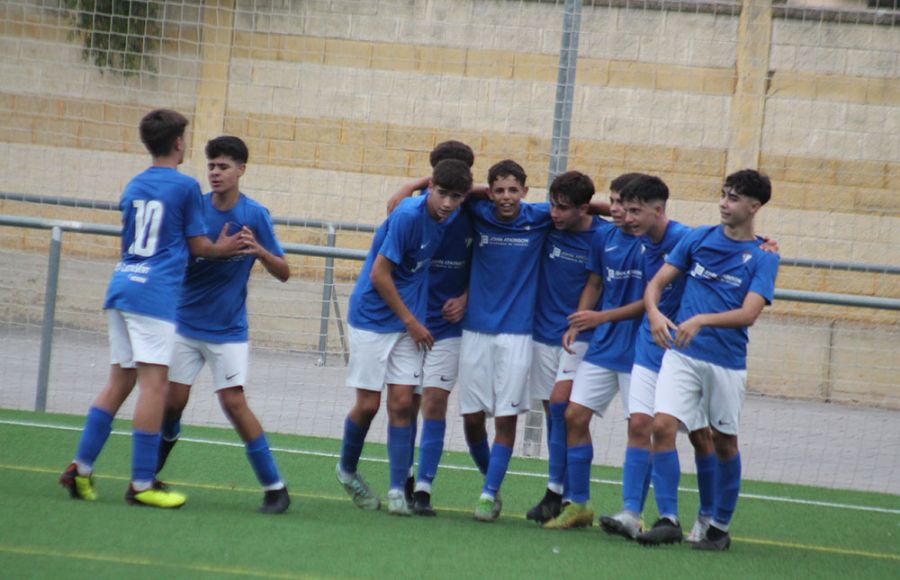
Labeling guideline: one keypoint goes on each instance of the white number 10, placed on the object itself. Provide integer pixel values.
(147, 219)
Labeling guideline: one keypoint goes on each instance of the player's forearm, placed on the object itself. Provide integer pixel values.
(202, 247)
(591, 293)
(384, 285)
(404, 192)
(627, 312)
(738, 318)
(277, 266)
(598, 207)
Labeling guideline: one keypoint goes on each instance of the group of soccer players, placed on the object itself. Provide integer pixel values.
(468, 286)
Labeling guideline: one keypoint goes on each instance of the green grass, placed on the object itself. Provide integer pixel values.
(219, 534)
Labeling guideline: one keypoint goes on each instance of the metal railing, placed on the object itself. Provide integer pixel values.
(329, 298)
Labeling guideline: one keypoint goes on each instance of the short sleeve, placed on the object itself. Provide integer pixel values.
(398, 238)
(265, 232)
(595, 253)
(763, 280)
(194, 224)
(680, 256)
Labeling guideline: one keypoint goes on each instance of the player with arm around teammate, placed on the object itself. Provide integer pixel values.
(388, 336)
(162, 218)
(729, 280)
(616, 279)
(562, 277)
(211, 320)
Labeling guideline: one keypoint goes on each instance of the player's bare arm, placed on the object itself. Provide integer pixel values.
(741, 317)
(455, 308)
(384, 284)
(225, 246)
(406, 191)
(277, 266)
(587, 319)
(590, 296)
(598, 207)
(660, 325)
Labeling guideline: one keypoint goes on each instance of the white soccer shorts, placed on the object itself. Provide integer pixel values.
(551, 365)
(691, 390)
(135, 338)
(596, 386)
(379, 359)
(441, 366)
(642, 397)
(493, 373)
(228, 362)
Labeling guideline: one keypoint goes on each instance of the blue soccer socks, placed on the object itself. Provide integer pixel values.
(579, 466)
(263, 463)
(728, 487)
(352, 445)
(97, 427)
(666, 476)
(430, 450)
(144, 457)
(557, 447)
(481, 454)
(499, 464)
(398, 454)
(634, 475)
(707, 466)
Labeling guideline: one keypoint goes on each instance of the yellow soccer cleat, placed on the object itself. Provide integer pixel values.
(78, 486)
(156, 496)
(573, 515)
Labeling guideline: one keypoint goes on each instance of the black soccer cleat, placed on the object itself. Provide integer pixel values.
(422, 504)
(408, 491)
(548, 508)
(715, 540)
(276, 501)
(664, 531)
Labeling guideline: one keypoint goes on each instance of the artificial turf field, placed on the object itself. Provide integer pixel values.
(218, 533)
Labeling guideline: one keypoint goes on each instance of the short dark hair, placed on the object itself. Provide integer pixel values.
(572, 186)
(228, 146)
(621, 181)
(452, 150)
(506, 168)
(644, 189)
(452, 175)
(160, 128)
(751, 183)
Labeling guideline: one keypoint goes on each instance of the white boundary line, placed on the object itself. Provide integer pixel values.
(467, 468)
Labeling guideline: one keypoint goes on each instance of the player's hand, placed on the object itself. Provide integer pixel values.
(585, 320)
(251, 246)
(227, 246)
(455, 308)
(686, 331)
(769, 245)
(660, 329)
(569, 339)
(420, 335)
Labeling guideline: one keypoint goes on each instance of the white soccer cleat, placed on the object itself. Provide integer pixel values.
(623, 524)
(698, 532)
(358, 490)
(397, 505)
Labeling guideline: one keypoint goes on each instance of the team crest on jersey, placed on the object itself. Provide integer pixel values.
(747, 257)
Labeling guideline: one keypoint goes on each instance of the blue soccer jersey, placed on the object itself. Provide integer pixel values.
(720, 272)
(448, 275)
(408, 238)
(213, 305)
(505, 261)
(563, 275)
(647, 353)
(616, 257)
(161, 209)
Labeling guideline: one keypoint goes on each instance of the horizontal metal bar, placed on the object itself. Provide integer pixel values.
(838, 299)
(114, 206)
(351, 254)
(352, 226)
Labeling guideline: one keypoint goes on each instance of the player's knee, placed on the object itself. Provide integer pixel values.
(434, 406)
(232, 400)
(474, 428)
(578, 417)
(665, 428)
(726, 446)
(640, 428)
(702, 440)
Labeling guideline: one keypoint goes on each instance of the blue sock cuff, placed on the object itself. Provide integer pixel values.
(736, 458)
(558, 410)
(100, 414)
(353, 428)
(258, 444)
(638, 453)
(434, 423)
(501, 450)
(144, 434)
(394, 431)
(705, 461)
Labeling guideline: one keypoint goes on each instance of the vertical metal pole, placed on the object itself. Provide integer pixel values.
(327, 289)
(565, 89)
(40, 399)
(559, 158)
